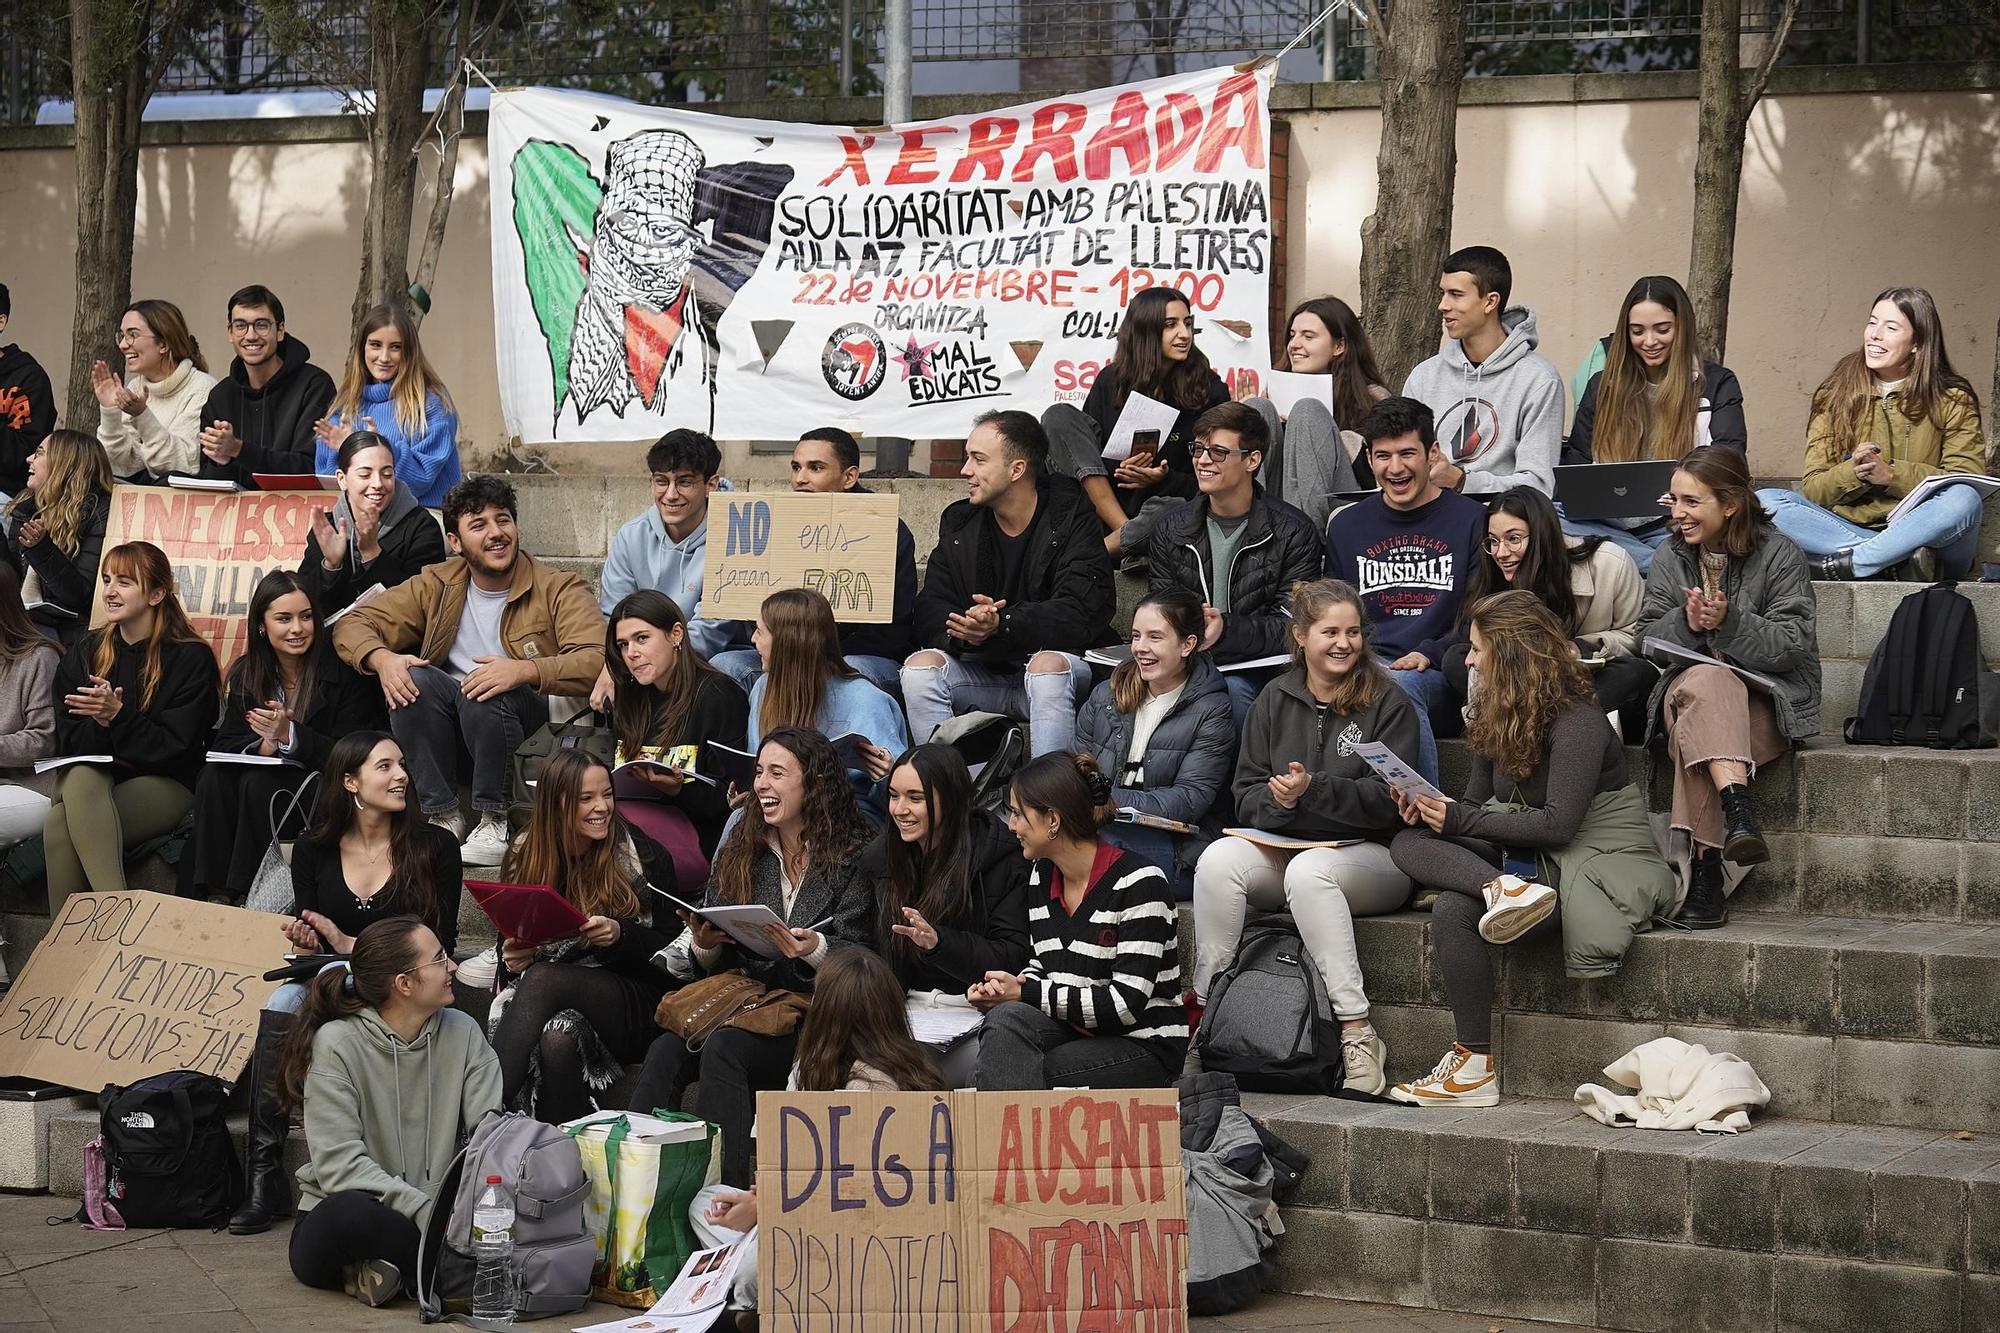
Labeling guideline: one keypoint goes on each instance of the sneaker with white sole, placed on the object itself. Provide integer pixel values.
(451, 821)
(1365, 1056)
(1514, 906)
(373, 1282)
(488, 844)
(1462, 1078)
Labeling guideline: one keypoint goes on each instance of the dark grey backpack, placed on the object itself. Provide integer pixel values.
(554, 1250)
(1269, 1021)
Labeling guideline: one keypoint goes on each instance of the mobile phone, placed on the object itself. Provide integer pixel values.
(1145, 443)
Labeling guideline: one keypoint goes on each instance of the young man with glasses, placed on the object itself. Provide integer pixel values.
(1236, 548)
(259, 418)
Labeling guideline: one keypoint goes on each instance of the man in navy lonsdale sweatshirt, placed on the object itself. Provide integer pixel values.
(1408, 551)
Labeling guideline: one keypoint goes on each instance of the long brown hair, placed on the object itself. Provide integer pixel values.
(18, 635)
(170, 326)
(1362, 686)
(834, 829)
(1140, 364)
(413, 885)
(805, 658)
(1631, 424)
(1726, 472)
(149, 566)
(1848, 395)
(255, 676)
(1528, 677)
(383, 951)
(415, 381)
(76, 475)
(632, 716)
(1355, 374)
(935, 875)
(1181, 610)
(858, 1016)
(597, 883)
(1546, 565)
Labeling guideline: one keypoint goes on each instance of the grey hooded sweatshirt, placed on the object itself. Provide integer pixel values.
(386, 1117)
(1501, 420)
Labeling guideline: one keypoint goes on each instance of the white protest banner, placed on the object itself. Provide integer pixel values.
(656, 267)
(841, 546)
(132, 983)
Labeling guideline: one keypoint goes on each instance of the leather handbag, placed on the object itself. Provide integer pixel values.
(730, 999)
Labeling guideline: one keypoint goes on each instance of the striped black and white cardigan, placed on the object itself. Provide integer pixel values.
(1112, 968)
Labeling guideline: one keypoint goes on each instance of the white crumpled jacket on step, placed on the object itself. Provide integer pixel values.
(1669, 1084)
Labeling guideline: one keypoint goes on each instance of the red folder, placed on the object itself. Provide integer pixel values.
(530, 914)
(294, 481)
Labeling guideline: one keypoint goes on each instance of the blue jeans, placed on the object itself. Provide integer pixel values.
(1244, 687)
(1427, 691)
(431, 729)
(1158, 846)
(1639, 545)
(745, 665)
(1947, 523)
(1046, 700)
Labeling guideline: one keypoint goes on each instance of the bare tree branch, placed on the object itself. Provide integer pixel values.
(1770, 60)
(1378, 26)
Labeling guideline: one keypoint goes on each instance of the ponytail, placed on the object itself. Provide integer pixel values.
(1069, 786)
(382, 953)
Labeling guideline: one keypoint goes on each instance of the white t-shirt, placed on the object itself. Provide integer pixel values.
(1145, 721)
(478, 630)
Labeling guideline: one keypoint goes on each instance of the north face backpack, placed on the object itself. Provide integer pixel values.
(1269, 1021)
(542, 1171)
(1926, 683)
(168, 1157)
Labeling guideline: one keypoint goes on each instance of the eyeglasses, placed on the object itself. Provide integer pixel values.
(1516, 541)
(442, 957)
(129, 336)
(252, 325)
(1215, 452)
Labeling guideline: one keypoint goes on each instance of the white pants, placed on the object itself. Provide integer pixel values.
(22, 811)
(1324, 888)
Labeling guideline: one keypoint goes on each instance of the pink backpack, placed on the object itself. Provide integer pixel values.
(97, 1213)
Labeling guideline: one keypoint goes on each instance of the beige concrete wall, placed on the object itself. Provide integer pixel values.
(1845, 193)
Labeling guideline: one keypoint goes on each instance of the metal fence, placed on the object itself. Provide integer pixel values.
(697, 50)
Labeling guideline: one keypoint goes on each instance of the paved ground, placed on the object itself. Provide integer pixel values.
(63, 1279)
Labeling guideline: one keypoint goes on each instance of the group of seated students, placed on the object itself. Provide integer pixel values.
(1276, 639)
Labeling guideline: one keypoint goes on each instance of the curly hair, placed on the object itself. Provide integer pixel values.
(834, 829)
(1528, 677)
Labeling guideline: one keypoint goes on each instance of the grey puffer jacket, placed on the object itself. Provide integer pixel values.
(1188, 760)
(1770, 627)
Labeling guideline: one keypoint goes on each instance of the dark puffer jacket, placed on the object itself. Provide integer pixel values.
(1280, 548)
(1188, 760)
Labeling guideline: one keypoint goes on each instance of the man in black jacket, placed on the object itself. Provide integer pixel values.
(1237, 549)
(27, 406)
(1018, 587)
(259, 418)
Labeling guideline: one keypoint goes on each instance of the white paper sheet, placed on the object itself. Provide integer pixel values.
(1400, 776)
(1286, 389)
(1141, 413)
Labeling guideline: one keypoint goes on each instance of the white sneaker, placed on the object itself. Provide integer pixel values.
(1514, 906)
(451, 821)
(1366, 1056)
(1462, 1078)
(481, 970)
(488, 844)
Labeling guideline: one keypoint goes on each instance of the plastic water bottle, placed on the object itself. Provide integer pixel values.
(493, 1248)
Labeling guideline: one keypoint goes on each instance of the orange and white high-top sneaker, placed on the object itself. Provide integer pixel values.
(1462, 1078)
(1514, 906)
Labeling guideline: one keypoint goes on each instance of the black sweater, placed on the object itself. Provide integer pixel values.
(993, 933)
(275, 422)
(721, 712)
(319, 885)
(27, 414)
(168, 736)
(342, 701)
(1112, 967)
(411, 539)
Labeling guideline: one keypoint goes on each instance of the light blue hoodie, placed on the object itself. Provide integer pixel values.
(1501, 420)
(643, 555)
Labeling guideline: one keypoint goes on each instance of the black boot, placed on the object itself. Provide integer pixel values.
(270, 1193)
(1702, 909)
(1835, 568)
(1742, 844)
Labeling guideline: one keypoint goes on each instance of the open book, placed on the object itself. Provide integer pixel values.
(1930, 486)
(1284, 842)
(750, 925)
(1667, 652)
(64, 761)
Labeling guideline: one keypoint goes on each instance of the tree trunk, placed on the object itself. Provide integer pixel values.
(1718, 172)
(110, 83)
(449, 127)
(1421, 54)
(399, 66)
(749, 69)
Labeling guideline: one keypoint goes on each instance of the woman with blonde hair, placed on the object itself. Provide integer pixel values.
(143, 690)
(1548, 803)
(1891, 415)
(56, 529)
(150, 422)
(390, 389)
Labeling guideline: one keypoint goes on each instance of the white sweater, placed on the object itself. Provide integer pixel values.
(166, 435)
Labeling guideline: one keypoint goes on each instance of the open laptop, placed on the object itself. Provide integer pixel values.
(1614, 490)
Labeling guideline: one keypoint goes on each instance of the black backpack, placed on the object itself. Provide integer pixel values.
(1926, 683)
(168, 1157)
(1269, 1021)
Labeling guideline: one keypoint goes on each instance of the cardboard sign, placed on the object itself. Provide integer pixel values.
(841, 546)
(220, 545)
(996, 1212)
(130, 984)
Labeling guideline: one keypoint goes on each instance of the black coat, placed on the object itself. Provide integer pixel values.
(1068, 594)
(412, 540)
(169, 735)
(993, 933)
(275, 422)
(1281, 547)
(342, 701)
(68, 581)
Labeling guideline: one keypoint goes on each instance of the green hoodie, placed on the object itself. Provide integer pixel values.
(374, 1126)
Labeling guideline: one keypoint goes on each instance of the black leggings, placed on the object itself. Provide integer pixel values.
(618, 1008)
(348, 1228)
(734, 1066)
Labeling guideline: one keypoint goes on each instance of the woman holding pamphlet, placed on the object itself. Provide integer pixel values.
(392, 1080)
(796, 853)
(669, 705)
(56, 531)
(367, 855)
(1312, 457)
(135, 704)
(376, 534)
(288, 699)
(1730, 615)
(808, 683)
(575, 1009)
(1319, 816)
(391, 391)
(1156, 361)
(950, 890)
(1161, 726)
(1891, 427)
(1548, 802)
(27, 716)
